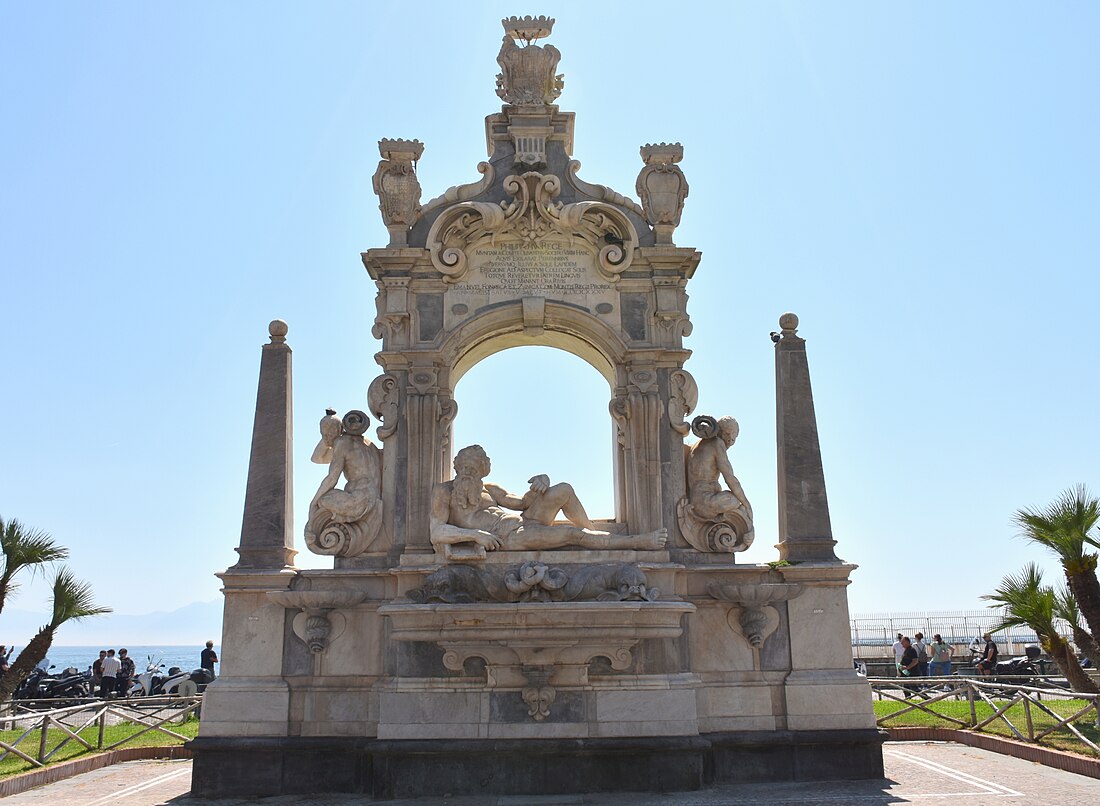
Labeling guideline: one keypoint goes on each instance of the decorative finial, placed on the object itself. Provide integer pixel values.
(789, 323)
(528, 28)
(278, 330)
(662, 187)
(527, 75)
(661, 153)
(397, 187)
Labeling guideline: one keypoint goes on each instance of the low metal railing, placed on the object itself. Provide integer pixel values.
(1000, 695)
(153, 713)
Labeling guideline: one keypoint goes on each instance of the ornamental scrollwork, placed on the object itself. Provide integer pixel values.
(531, 215)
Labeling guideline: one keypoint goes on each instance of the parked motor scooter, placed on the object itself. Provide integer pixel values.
(32, 687)
(70, 684)
(148, 682)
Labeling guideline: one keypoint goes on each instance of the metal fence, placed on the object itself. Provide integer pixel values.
(37, 727)
(873, 634)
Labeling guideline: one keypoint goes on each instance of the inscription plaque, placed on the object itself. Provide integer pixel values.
(544, 269)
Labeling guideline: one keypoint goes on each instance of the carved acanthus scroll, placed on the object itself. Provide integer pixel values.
(461, 193)
(384, 400)
(531, 216)
(683, 396)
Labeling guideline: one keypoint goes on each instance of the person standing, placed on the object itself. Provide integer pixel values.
(125, 673)
(110, 668)
(97, 670)
(208, 658)
(922, 654)
(5, 654)
(988, 664)
(899, 649)
(941, 657)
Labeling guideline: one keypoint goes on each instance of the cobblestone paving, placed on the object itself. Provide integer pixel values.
(916, 772)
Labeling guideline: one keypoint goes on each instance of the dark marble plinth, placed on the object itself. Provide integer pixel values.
(385, 769)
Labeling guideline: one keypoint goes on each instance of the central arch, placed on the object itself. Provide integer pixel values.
(566, 327)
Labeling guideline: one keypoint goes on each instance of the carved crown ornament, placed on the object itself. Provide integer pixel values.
(532, 216)
(527, 76)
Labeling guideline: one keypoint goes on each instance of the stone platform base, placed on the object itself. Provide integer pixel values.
(402, 769)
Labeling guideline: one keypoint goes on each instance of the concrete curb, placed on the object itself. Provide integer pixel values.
(31, 779)
(1059, 759)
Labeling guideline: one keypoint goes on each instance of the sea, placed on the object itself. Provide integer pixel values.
(81, 657)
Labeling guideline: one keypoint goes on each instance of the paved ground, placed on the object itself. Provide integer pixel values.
(916, 772)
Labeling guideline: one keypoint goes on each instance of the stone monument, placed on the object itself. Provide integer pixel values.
(473, 640)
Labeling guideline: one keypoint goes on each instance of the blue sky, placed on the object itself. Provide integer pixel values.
(919, 182)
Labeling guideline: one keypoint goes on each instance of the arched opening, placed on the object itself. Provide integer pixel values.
(540, 410)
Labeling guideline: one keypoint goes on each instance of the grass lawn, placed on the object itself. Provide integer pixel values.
(1061, 739)
(12, 764)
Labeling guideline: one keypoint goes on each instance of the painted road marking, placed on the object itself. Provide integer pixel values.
(115, 797)
(987, 787)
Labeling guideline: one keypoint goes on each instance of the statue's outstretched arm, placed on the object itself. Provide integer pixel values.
(504, 498)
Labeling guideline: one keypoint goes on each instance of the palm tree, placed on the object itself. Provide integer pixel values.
(72, 600)
(1066, 528)
(24, 548)
(1065, 608)
(1025, 601)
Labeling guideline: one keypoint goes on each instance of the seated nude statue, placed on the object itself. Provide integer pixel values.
(467, 510)
(345, 521)
(706, 463)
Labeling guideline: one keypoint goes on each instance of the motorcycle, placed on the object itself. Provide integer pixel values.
(174, 683)
(1020, 671)
(41, 685)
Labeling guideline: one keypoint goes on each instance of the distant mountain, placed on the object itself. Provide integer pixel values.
(195, 623)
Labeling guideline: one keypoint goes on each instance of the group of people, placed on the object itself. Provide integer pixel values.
(111, 674)
(916, 658)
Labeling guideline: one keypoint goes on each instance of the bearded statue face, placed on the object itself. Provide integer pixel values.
(471, 466)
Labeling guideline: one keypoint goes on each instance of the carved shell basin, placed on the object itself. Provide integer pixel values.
(537, 623)
(316, 600)
(754, 595)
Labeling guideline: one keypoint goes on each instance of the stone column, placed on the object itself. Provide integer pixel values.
(267, 534)
(805, 532)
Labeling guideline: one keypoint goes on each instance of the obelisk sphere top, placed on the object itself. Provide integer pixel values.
(278, 330)
(788, 321)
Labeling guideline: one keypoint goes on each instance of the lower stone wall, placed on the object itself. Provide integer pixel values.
(386, 769)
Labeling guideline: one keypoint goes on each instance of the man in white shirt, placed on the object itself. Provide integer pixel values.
(110, 668)
(899, 650)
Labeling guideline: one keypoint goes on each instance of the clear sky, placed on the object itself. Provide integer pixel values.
(919, 182)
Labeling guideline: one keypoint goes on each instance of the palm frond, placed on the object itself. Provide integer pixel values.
(25, 547)
(1066, 608)
(1024, 601)
(73, 599)
(1065, 526)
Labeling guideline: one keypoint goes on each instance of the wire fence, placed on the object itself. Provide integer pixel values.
(873, 634)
